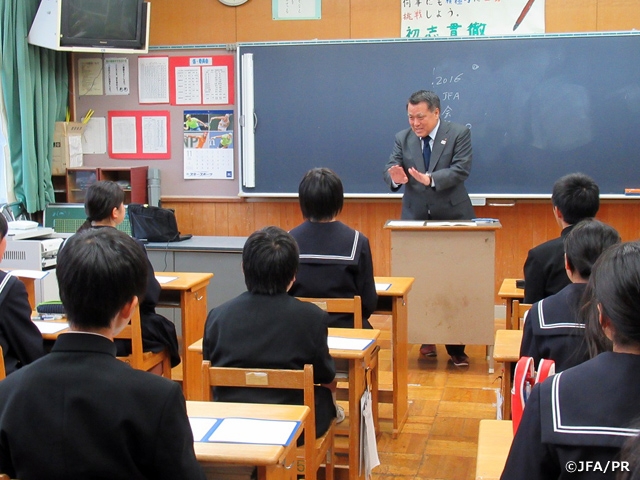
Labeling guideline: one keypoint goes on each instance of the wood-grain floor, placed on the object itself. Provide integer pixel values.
(446, 404)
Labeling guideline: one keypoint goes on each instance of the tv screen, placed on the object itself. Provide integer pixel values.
(103, 23)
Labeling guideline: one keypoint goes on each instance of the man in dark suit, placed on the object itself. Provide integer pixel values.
(575, 197)
(432, 159)
(79, 412)
(266, 328)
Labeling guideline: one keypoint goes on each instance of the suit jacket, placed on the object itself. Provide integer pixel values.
(20, 339)
(335, 262)
(80, 413)
(544, 272)
(583, 414)
(271, 331)
(449, 167)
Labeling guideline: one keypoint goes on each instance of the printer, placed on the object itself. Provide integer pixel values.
(35, 249)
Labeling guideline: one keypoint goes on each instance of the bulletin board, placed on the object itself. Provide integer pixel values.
(171, 163)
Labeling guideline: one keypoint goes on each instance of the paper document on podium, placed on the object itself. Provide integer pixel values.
(406, 223)
(451, 223)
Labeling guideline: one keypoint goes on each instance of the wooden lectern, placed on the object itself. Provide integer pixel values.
(453, 263)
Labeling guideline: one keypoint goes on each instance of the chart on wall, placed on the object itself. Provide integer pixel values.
(208, 144)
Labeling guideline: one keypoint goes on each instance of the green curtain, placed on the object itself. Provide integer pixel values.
(35, 87)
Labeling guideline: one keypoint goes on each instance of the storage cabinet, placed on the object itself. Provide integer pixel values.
(59, 183)
(133, 181)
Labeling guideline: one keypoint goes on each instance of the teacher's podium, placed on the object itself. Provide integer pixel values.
(453, 263)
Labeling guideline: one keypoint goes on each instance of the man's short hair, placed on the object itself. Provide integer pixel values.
(98, 272)
(585, 243)
(269, 261)
(430, 98)
(321, 195)
(577, 197)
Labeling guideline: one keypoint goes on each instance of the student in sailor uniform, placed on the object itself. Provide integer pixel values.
(585, 414)
(335, 260)
(553, 329)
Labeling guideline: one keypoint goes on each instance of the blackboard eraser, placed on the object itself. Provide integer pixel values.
(632, 191)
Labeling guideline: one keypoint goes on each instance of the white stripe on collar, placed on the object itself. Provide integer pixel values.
(336, 257)
(559, 427)
(550, 326)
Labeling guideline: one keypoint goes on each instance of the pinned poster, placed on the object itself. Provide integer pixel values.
(206, 80)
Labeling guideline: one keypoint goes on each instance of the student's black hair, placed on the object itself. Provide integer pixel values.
(630, 455)
(577, 197)
(430, 98)
(100, 200)
(269, 261)
(4, 227)
(596, 341)
(585, 243)
(321, 195)
(616, 290)
(98, 272)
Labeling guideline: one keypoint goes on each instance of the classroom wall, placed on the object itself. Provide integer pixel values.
(526, 223)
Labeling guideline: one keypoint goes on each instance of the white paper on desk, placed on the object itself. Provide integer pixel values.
(50, 327)
(250, 430)
(162, 280)
(201, 427)
(35, 274)
(406, 223)
(381, 287)
(343, 343)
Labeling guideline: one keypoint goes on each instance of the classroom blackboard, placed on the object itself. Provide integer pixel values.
(538, 107)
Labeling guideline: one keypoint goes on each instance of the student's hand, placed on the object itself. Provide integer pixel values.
(423, 178)
(397, 174)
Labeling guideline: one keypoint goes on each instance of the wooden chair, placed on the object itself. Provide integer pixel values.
(315, 451)
(3, 373)
(518, 313)
(139, 359)
(339, 305)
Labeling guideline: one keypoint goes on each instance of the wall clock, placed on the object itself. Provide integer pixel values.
(233, 3)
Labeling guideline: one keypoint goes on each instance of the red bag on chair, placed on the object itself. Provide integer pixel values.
(524, 378)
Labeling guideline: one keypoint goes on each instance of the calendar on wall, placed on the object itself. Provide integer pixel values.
(208, 144)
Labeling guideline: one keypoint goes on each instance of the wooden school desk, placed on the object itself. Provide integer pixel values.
(509, 292)
(189, 293)
(274, 462)
(494, 442)
(359, 361)
(507, 351)
(398, 294)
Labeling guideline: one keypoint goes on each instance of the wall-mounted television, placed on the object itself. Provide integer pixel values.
(90, 25)
(103, 23)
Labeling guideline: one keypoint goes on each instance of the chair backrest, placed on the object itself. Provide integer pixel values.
(519, 313)
(138, 358)
(265, 378)
(3, 373)
(339, 305)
